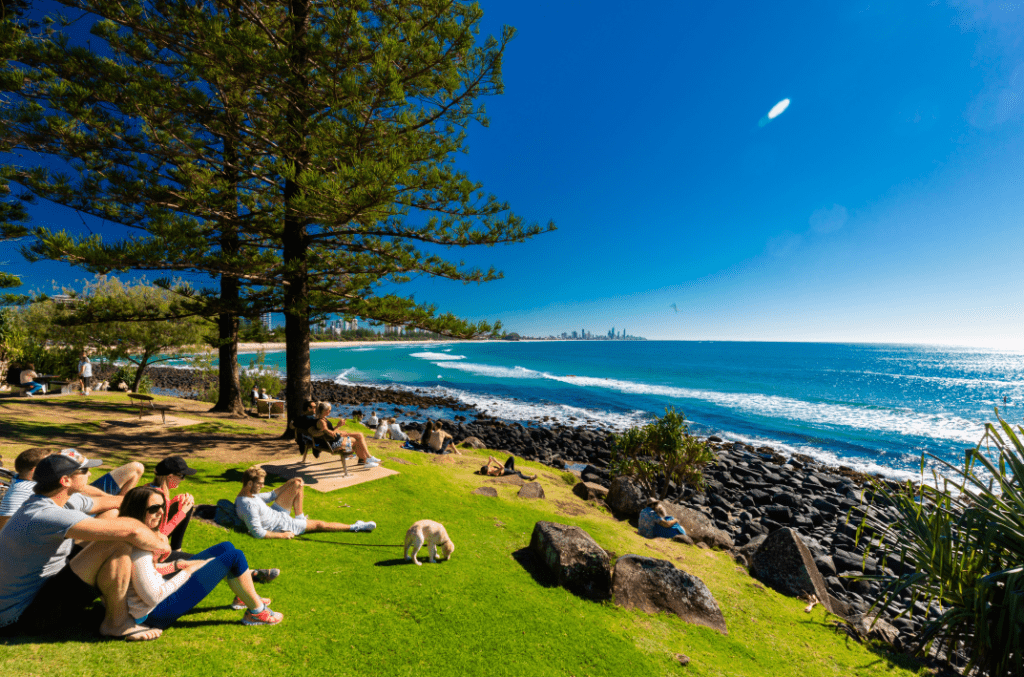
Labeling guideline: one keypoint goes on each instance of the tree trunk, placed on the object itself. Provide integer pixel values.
(229, 398)
(139, 371)
(294, 237)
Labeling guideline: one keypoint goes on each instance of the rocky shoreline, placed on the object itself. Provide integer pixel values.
(750, 493)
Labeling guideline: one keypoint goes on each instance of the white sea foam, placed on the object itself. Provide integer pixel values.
(361, 350)
(490, 370)
(437, 356)
(344, 377)
(947, 381)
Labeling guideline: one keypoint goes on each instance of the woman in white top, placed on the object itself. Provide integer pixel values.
(160, 602)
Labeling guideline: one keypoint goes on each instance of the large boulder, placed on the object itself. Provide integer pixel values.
(531, 490)
(626, 496)
(699, 527)
(589, 491)
(575, 560)
(472, 443)
(784, 563)
(655, 585)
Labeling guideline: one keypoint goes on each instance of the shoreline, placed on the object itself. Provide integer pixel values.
(277, 347)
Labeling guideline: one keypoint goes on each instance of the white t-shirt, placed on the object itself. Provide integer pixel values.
(27, 376)
(85, 368)
(21, 491)
(148, 587)
(260, 518)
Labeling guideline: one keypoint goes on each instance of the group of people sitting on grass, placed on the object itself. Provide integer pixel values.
(65, 542)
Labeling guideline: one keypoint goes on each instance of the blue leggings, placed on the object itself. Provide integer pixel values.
(229, 562)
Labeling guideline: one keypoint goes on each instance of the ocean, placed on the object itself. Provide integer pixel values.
(871, 407)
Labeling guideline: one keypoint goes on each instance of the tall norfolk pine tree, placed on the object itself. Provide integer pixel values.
(346, 123)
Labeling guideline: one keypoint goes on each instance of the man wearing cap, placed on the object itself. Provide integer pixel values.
(116, 483)
(40, 590)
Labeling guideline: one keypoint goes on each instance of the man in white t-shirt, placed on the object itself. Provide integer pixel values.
(40, 589)
(85, 373)
(277, 520)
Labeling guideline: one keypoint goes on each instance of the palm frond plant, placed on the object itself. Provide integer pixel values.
(961, 550)
(661, 449)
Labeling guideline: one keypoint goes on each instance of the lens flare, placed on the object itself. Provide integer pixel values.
(778, 109)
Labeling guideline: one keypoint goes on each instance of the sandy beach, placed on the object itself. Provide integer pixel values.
(279, 347)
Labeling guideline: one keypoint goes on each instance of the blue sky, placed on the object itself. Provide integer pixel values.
(883, 205)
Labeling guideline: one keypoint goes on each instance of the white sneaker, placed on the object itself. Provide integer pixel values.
(363, 526)
(371, 464)
(373, 459)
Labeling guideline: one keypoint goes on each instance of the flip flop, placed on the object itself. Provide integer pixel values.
(135, 635)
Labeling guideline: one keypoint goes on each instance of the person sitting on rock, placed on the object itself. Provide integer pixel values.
(655, 522)
(283, 519)
(436, 440)
(371, 420)
(495, 469)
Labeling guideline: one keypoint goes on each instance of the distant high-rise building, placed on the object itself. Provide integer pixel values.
(265, 320)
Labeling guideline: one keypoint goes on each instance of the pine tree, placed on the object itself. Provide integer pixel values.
(337, 140)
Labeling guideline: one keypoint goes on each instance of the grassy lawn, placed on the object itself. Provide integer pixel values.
(352, 606)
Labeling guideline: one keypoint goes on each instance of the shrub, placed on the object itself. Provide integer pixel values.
(126, 373)
(961, 548)
(261, 376)
(663, 448)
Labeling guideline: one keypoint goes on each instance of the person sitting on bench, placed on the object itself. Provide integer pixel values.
(28, 380)
(336, 440)
(283, 519)
(302, 424)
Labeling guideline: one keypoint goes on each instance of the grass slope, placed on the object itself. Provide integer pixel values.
(353, 607)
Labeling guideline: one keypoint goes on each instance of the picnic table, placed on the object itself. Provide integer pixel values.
(270, 408)
(144, 402)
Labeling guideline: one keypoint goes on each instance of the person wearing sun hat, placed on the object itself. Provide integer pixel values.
(40, 589)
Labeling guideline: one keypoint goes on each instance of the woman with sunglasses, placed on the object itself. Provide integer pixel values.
(169, 474)
(160, 602)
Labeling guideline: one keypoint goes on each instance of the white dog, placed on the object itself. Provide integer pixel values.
(382, 430)
(432, 534)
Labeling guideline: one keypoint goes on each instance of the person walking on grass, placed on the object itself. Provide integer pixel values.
(41, 585)
(158, 602)
(285, 518)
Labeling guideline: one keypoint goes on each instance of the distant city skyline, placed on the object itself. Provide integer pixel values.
(882, 203)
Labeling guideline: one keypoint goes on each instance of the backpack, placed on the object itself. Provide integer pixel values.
(227, 516)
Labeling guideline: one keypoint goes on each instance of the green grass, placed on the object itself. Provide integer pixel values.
(352, 606)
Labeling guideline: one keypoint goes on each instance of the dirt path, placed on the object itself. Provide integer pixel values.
(105, 425)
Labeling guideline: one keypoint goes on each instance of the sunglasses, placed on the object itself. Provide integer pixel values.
(83, 471)
(154, 509)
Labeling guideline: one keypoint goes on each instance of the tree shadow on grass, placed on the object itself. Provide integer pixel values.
(393, 562)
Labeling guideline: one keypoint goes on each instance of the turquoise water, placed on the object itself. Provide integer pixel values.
(872, 407)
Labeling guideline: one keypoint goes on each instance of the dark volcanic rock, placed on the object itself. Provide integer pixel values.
(785, 563)
(655, 585)
(576, 561)
(589, 491)
(626, 497)
(699, 527)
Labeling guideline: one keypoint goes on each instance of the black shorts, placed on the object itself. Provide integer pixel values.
(62, 599)
(86, 381)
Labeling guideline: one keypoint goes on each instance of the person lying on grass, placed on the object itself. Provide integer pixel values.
(117, 482)
(42, 582)
(495, 469)
(283, 519)
(336, 440)
(158, 602)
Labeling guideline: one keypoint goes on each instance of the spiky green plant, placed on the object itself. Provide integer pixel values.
(663, 448)
(961, 547)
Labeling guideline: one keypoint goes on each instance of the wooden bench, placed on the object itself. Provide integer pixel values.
(144, 402)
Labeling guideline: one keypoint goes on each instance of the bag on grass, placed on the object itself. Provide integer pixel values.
(226, 515)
